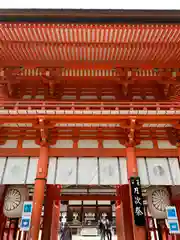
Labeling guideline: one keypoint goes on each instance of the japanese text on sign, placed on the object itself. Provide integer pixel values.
(137, 199)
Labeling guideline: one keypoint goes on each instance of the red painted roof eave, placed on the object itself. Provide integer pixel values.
(90, 16)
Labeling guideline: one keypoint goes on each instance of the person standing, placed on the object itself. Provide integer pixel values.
(108, 229)
(102, 228)
(66, 233)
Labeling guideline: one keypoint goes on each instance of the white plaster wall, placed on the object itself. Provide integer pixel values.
(30, 144)
(10, 144)
(112, 144)
(87, 144)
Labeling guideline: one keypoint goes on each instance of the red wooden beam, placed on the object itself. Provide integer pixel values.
(87, 118)
(101, 152)
(88, 197)
(118, 78)
(88, 64)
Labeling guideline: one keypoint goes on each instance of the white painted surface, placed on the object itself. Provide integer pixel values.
(88, 171)
(157, 179)
(174, 165)
(142, 171)
(112, 144)
(30, 144)
(63, 144)
(162, 144)
(109, 171)
(169, 171)
(2, 167)
(32, 169)
(145, 144)
(10, 144)
(123, 170)
(51, 170)
(88, 143)
(15, 171)
(65, 171)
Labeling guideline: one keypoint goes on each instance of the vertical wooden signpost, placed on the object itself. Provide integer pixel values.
(137, 199)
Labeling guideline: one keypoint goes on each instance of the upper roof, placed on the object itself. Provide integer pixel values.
(110, 45)
(89, 39)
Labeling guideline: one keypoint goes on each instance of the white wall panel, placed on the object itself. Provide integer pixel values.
(142, 171)
(156, 178)
(63, 144)
(164, 144)
(10, 144)
(90, 170)
(32, 170)
(145, 144)
(66, 171)
(123, 171)
(73, 202)
(112, 144)
(104, 202)
(175, 171)
(51, 170)
(88, 143)
(109, 171)
(30, 144)
(16, 170)
(90, 202)
(2, 167)
(87, 171)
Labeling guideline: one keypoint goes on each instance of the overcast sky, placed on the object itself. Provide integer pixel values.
(92, 4)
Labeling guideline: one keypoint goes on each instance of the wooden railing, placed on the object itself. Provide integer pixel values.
(64, 107)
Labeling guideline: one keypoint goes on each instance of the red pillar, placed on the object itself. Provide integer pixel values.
(2, 217)
(177, 204)
(119, 222)
(177, 201)
(38, 197)
(48, 208)
(3, 92)
(55, 221)
(132, 169)
(123, 215)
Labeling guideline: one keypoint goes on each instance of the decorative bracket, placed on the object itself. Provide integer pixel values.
(43, 132)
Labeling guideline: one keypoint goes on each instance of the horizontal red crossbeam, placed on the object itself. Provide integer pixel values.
(108, 65)
(88, 118)
(83, 197)
(86, 152)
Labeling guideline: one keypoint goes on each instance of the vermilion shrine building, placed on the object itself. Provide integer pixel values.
(89, 99)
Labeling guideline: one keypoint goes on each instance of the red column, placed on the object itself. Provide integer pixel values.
(177, 201)
(177, 204)
(138, 232)
(38, 197)
(2, 217)
(123, 215)
(48, 208)
(3, 92)
(119, 228)
(55, 221)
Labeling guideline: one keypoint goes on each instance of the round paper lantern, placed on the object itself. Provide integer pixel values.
(158, 199)
(14, 200)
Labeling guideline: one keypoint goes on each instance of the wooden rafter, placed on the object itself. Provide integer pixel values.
(144, 43)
